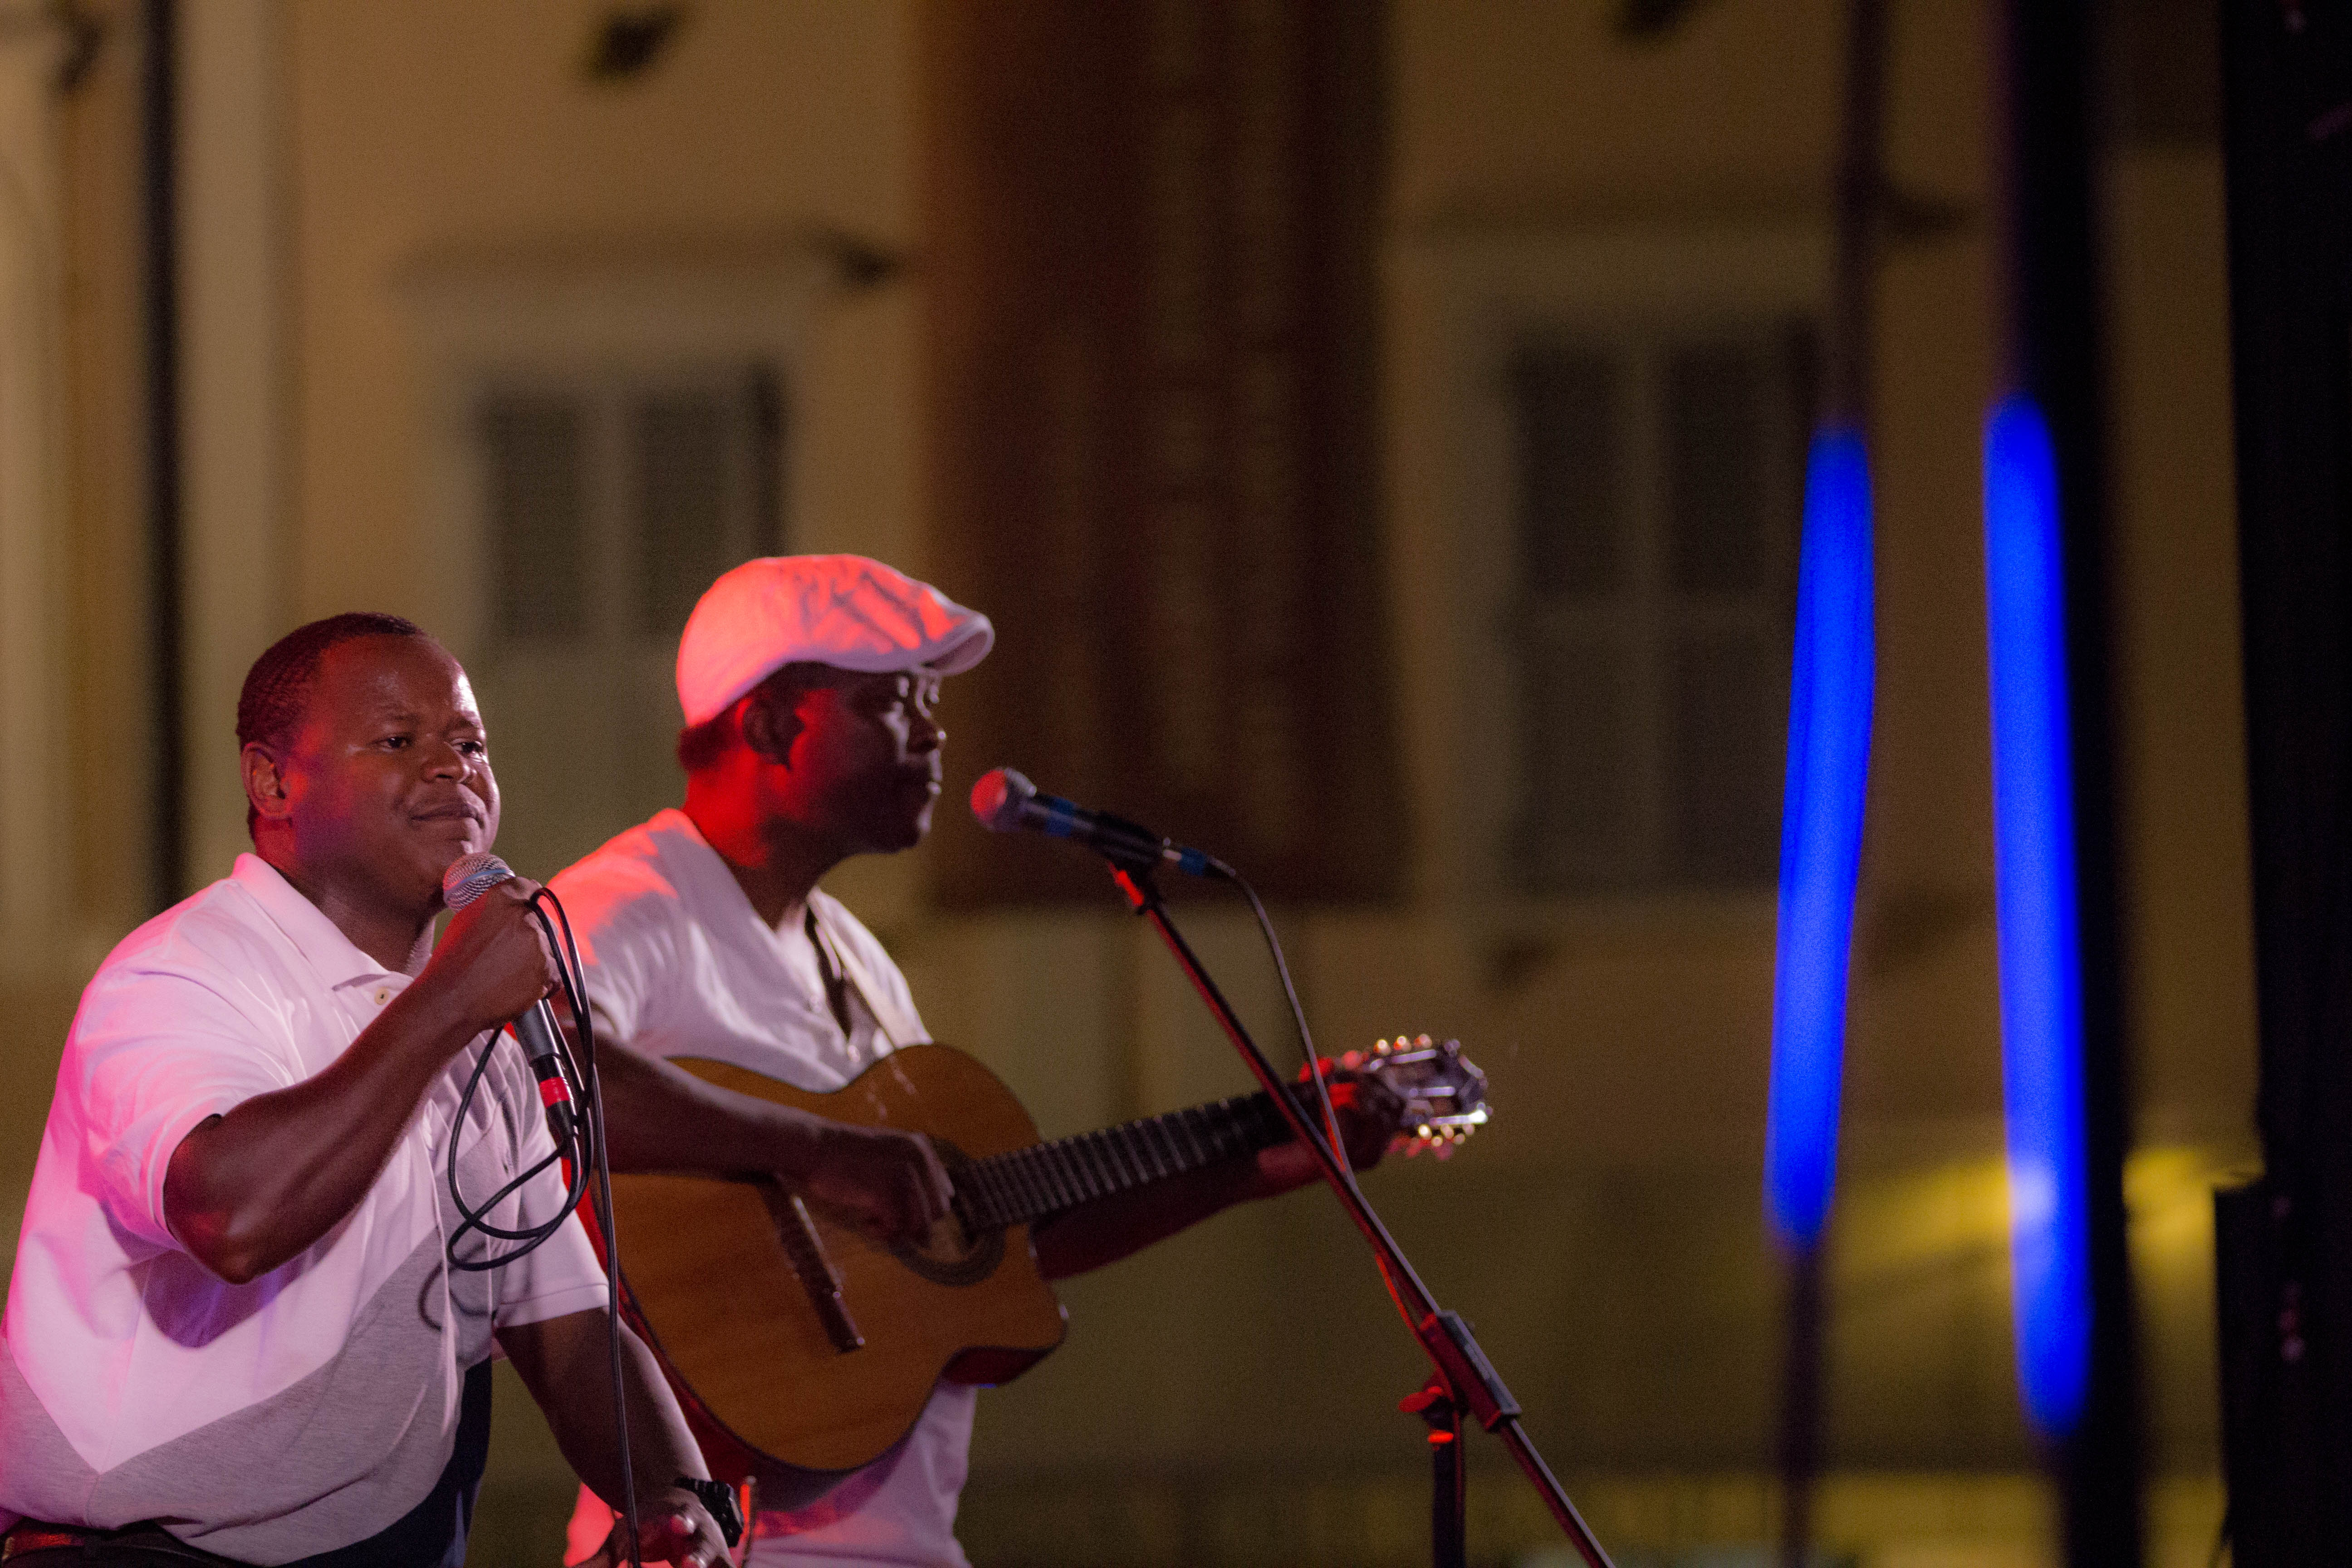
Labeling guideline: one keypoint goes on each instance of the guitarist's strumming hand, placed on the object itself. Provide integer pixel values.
(664, 1118)
(889, 1182)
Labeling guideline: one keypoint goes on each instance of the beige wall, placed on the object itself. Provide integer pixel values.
(77, 799)
(1606, 1234)
(446, 129)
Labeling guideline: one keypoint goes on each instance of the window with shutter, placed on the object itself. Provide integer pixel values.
(1659, 481)
(609, 502)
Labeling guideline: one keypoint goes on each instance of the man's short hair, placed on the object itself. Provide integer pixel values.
(270, 708)
(706, 744)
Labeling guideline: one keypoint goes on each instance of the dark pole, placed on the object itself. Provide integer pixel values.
(1801, 1405)
(2283, 1244)
(159, 109)
(1861, 183)
(1845, 406)
(2055, 359)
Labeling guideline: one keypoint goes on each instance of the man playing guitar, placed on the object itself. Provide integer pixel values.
(809, 685)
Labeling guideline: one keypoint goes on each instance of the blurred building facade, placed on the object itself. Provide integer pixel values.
(525, 319)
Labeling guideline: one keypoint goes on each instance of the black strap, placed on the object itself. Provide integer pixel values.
(837, 989)
(133, 1546)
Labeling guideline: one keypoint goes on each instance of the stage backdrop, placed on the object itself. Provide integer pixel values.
(1151, 268)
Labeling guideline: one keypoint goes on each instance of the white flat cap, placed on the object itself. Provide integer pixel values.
(842, 610)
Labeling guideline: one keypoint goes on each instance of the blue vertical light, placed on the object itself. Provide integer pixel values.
(1820, 834)
(2041, 959)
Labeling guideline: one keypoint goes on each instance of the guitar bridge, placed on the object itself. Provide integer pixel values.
(804, 1250)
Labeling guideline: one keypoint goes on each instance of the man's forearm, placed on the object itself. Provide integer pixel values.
(251, 1190)
(565, 1364)
(1108, 1229)
(659, 1117)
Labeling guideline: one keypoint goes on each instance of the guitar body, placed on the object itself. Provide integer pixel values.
(803, 1350)
(711, 1285)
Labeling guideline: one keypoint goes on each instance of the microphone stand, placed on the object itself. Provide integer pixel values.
(1462, 1381)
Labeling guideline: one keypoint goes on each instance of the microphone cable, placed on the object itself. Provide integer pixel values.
(575, 997)
(473, 1218)
(1328, 1112)
(591, 1174)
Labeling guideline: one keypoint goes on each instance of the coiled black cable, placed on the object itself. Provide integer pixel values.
(591, 1174)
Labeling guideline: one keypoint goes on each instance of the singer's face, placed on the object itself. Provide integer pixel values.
(389, 779)
(863, 768)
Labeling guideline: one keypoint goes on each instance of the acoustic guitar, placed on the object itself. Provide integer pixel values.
(803, 1349)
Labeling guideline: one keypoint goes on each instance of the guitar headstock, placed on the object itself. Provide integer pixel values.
(1441, 1094)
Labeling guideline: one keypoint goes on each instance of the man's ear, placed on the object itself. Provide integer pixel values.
(769, 728)
(264, 786)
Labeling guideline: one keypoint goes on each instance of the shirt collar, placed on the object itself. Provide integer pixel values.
(715, 884)
(336, 958)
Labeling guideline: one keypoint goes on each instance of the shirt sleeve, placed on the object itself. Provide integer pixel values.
(624, 950)
(151, 1053)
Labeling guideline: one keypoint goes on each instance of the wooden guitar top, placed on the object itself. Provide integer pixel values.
(711, 1278)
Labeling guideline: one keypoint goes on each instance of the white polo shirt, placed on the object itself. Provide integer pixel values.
(316, 1406)
(680, 964)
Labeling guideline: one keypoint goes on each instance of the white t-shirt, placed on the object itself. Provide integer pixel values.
(328, 1400)
(679, 964)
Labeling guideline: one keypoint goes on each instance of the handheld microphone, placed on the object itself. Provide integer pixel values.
(1005, 802)
(467, 879)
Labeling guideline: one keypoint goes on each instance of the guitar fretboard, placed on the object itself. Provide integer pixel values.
(1025, 1184)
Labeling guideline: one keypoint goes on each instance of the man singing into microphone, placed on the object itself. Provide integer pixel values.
(809, 686)
(234, 1333)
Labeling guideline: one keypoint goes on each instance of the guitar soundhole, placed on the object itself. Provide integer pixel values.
(951, 1254)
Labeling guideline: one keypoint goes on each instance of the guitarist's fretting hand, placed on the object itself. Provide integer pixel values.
(1368, 1123)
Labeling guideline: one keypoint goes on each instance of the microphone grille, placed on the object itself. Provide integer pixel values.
(470, 876)
(998, 797)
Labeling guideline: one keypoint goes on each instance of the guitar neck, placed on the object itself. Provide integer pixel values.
(1026, 1184)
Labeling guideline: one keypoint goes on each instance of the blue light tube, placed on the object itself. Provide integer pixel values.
(1820, 834)
(2040, 957)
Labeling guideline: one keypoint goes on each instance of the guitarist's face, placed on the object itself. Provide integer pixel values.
(860, 759)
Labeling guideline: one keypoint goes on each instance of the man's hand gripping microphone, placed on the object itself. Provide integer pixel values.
(467, 879)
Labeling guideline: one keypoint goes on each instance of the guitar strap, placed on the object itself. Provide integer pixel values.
(896, 1025)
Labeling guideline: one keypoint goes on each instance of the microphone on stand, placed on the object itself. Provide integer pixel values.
(467, 879)
(1005, 802)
